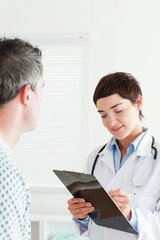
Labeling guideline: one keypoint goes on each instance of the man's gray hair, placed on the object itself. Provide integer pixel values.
(20, 64)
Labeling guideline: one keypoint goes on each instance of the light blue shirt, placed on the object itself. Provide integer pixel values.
(117, 154)
(117, 165)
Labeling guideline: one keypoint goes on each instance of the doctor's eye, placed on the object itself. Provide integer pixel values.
(119, 111)
(103, 116)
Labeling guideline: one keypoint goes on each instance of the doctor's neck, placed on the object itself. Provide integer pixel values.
(126, 142)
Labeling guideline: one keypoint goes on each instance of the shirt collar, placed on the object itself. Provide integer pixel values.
(133, 145)
(113, 144)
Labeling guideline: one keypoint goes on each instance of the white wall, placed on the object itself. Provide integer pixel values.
(124, 36)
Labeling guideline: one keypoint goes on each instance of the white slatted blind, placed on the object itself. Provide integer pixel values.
(56, 144)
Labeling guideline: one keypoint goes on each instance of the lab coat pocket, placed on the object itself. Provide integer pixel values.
(144, 202)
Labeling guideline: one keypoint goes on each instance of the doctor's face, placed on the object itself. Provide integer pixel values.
(120, 116)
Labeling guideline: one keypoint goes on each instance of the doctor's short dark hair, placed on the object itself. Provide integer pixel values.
(20, 64)
(119, 82)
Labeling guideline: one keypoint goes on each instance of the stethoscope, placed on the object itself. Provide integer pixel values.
(134, 184)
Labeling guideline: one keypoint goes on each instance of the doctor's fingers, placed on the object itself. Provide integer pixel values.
(122, 200)
(119, 192)
(122, 205)
(77, 206)
(81, 212)
(126, 211)
(75, 200)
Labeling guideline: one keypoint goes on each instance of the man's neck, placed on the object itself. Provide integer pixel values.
(10, 124)
(9, 139)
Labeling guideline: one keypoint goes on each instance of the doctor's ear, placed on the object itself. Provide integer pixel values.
(139, 102)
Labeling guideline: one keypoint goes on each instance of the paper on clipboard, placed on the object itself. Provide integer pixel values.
(106, 213)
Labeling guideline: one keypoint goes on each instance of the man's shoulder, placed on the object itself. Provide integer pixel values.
(5, 154)
(6, 159)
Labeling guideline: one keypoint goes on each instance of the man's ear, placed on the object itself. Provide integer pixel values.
(25, 94)
(139, 102)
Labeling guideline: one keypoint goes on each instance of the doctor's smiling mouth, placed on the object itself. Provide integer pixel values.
(117, 129)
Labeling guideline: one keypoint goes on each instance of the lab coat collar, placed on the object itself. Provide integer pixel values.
(107, 148)
(144, 149)
(107, 156)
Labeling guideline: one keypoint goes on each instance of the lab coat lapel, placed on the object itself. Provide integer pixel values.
(118, 181)
(108, 160)
(143, 150)
(107, 157)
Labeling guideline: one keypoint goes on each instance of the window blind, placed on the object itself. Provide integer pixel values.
(56, 143)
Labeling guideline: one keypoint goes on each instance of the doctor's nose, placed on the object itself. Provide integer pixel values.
(112, 122)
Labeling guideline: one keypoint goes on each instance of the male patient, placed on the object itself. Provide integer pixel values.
(21, 82)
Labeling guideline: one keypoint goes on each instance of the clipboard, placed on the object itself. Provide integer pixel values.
(86, 186)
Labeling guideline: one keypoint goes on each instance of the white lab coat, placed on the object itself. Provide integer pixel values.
(146, 202)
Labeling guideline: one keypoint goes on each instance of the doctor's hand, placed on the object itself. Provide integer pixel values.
(122, 199)
(79, 208)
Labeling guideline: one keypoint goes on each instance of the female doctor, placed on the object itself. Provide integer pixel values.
(128, 166)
